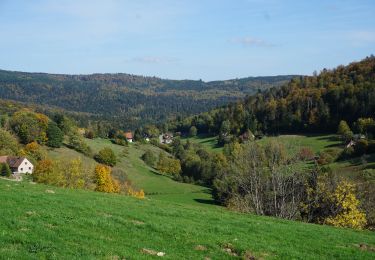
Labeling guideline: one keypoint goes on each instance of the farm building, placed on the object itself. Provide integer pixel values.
(18, 165)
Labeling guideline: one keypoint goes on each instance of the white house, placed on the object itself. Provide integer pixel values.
(18, 165)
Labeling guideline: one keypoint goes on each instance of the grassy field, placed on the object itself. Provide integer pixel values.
(209, 142)
(294, 142)
(43, 222)
(156, 186)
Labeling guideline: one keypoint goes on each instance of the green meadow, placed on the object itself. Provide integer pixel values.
(44, 222)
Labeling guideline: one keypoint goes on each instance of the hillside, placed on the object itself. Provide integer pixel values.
(127, 100)
(304, 105)
(68, 224)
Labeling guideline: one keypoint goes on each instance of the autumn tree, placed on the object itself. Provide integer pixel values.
(46, 171)
(74, 173)
(30, 126)
(104, 181)
(347, 213)
(34, 151)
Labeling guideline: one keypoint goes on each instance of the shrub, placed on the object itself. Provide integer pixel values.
(106, 156)
(140, 194)
(306, 154)
(168, 165)
(149, 158)
(328, 156)
(76, 142)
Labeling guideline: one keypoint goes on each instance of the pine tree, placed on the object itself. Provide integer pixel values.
(55, 135)
(5, 170)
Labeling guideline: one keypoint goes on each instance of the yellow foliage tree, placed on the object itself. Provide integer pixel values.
(349, 214)
(74, 174)
(104, 181)
(47, 172)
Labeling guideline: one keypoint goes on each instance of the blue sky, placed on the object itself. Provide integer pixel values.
(184, 39)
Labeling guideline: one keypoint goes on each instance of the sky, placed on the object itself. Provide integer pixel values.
(184, 39)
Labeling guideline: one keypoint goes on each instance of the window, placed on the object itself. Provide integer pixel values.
(29, 168)
(25, 163)
(21, 169)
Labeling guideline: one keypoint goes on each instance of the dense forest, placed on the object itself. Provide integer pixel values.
(124, 100)
(306, 104)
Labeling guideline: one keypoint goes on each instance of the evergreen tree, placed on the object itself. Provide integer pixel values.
(55, 135)
(5, 170)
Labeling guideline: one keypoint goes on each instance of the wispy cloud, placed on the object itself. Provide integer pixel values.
(252, 42)
(153, 60)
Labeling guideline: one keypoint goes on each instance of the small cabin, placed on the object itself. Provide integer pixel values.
(17, 164)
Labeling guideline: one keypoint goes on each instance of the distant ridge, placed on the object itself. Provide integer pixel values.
(128, 100)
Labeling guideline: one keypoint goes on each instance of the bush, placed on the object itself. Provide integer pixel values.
(77, 143)
(306, 154)
(149, 158)
(106, 156)
(328, 156)
(168, 165)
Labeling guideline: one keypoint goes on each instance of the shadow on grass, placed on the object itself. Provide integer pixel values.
(331, 138)
(206, 201)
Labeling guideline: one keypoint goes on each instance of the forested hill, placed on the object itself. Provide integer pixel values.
(306, 104)
(128, 100)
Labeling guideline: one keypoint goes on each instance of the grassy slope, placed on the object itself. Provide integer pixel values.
(70, 224)
(142, 176)
(210, 143)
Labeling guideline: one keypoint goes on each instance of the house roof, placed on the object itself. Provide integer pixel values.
(128, 135)
(12, 161)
